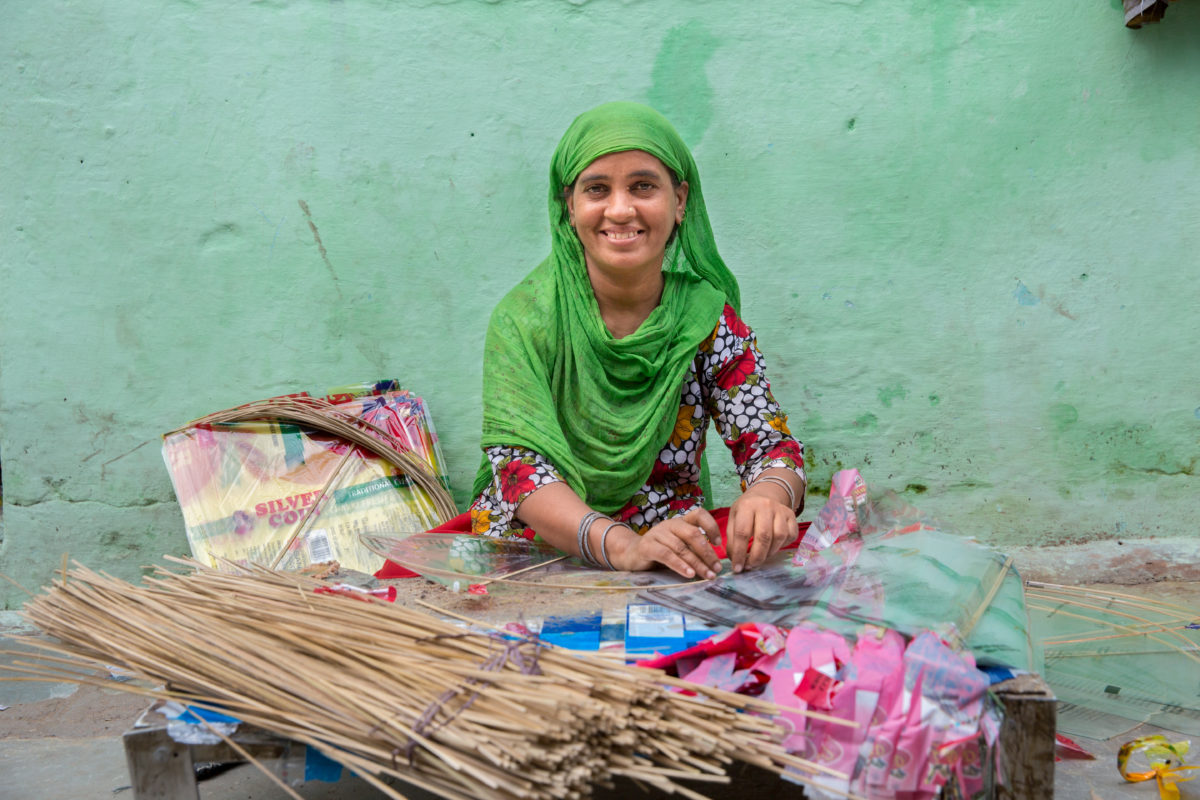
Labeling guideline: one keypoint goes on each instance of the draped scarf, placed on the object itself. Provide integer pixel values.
(555, 381)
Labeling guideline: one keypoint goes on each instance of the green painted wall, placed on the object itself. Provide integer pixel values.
(967, 234)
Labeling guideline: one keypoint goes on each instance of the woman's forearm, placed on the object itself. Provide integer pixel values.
(555, 511)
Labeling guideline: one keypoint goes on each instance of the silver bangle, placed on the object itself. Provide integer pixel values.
(581, 539)
(787, 486)
(604, 548)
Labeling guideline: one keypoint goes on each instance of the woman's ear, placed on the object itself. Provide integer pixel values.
(569, 199)
(681, 195)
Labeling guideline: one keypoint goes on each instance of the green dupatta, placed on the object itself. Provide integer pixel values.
(555, 380)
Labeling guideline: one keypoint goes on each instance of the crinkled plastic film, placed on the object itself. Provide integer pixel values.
(1114, 660)
(246, 487)
(908, 578)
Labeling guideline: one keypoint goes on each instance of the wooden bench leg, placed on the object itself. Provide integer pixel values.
(1027, 739)
(159, 767)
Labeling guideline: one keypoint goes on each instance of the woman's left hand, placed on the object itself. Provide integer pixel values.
(756, 514)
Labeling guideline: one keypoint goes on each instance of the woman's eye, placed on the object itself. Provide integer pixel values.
(594, 189)
(644, 186)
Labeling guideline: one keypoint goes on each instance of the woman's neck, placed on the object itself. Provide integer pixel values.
(624, 306)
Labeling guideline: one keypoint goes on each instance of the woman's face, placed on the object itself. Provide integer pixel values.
(624, 208)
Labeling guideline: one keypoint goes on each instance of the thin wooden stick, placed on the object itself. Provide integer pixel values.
(1103, 610)
(311, 512)
(1136, 630)
(241, 751)
(14, 583)
(1123, 595)
(530, 568)
(447, 573)
(1115, 625)
(1127, 600)
(987, 600)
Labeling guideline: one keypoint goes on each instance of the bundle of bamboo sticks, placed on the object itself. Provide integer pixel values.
(389, 691)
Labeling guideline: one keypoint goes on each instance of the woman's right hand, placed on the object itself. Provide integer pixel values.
(683, 544)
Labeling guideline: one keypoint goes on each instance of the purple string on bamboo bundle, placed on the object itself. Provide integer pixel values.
(510, 652)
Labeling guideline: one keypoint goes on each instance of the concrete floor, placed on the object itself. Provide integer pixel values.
(63, 742)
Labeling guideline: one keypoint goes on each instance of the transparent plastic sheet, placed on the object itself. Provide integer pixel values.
(900, 573)
(448, 558)
(1115, 660)
(247, 488)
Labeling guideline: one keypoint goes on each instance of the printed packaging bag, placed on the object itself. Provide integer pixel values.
(248, 490)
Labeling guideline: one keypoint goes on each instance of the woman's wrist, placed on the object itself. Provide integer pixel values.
(619, 545)
(783, 486)
(773, 488)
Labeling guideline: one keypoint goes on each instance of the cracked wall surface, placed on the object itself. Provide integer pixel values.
(966, 237)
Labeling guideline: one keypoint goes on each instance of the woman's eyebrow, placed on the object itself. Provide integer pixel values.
(640, 173)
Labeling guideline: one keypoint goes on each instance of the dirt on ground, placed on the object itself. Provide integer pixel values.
(89, 712)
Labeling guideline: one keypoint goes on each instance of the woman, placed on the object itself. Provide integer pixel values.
(604, 365)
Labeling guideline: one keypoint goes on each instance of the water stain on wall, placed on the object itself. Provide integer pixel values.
(867, 423)
(680, 88)
(894, 392)
(1063, 416)
(1116, 451)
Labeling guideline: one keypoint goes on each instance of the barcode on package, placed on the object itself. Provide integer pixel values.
(318, 546)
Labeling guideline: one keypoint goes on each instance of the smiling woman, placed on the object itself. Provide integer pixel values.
(605, 365)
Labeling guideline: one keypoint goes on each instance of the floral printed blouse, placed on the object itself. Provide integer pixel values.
(725, 383)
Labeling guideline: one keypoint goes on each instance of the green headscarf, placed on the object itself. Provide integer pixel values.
(555, 380)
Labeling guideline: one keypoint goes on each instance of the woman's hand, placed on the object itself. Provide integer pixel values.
(683, 544)
(760, 513)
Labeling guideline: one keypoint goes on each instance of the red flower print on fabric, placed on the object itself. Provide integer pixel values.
(681, 503)
(625, 513)
(742, 447)
(660, 473)
(788, 450)
(734, 372)
(515, 481)
(735, 324)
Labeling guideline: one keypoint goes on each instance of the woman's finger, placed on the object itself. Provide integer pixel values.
(675, 553)
(785, 531)
(699, 530)
(695, 539)
(764, 530)
(737, 538)
(701, 517)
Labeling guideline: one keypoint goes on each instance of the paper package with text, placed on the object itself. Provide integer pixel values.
(249, 489)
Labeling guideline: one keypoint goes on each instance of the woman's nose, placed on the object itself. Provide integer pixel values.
(620, 207)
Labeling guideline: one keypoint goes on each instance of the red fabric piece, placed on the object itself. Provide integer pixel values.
(1069, 748)
(462, 524)
(743, 640)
